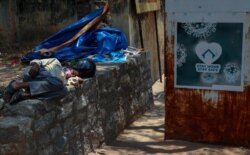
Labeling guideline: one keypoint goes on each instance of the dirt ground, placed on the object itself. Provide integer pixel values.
(146, 136)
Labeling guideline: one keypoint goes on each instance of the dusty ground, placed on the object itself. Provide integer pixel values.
(145, 137)
(10, 68)
(10, 65)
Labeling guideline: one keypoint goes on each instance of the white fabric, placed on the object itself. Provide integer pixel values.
(53, 66)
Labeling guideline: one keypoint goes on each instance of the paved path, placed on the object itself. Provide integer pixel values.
(145, 137)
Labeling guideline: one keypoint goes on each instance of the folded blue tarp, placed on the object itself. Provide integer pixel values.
(104, 44)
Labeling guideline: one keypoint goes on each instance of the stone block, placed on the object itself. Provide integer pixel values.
(14, 129)
(60, 144)
(29, 108)
(64, 111)
(11, 148)
(47, 151)
(44, 122)
(56, 132)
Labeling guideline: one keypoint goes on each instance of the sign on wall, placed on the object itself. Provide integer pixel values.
(209, 56)
(143, 6)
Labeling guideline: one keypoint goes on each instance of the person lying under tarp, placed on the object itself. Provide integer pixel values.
(83, 39)
(46, 79)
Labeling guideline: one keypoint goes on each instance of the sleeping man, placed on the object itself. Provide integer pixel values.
(45, 79)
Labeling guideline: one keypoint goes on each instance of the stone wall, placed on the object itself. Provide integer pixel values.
(25, 22)
(38, 19)
(91, 115)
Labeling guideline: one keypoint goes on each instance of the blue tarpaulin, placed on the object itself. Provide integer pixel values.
(103, 44)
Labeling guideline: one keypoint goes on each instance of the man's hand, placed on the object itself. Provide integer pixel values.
(34, 70)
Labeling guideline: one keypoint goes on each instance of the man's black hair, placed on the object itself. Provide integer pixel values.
(86, 68)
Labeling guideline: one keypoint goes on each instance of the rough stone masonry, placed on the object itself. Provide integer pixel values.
(87, 117)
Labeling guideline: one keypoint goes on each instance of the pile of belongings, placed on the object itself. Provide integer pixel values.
(83, 39)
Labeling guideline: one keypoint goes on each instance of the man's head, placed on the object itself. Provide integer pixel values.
(84, 68)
